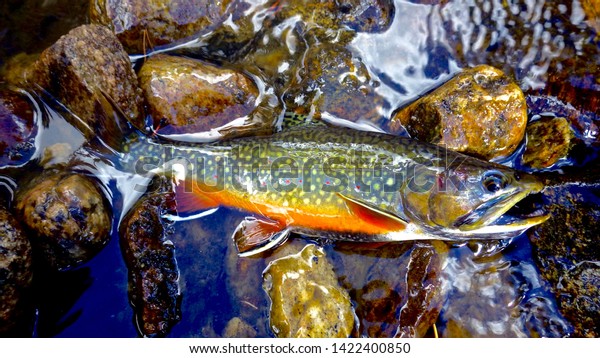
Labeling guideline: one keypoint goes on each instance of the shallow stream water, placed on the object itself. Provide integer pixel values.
(486, 289)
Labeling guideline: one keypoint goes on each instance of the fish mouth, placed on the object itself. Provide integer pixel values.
(491, 217)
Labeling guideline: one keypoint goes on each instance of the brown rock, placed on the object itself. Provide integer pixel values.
(190, 96)
(87, 60)
(336, 85)
(68, 214)
(140, 25)
(15, 273)
(397, 288)
(547, 142)
(479, 112)
(150, 257)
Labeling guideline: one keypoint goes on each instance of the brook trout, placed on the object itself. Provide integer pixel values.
(338, 183)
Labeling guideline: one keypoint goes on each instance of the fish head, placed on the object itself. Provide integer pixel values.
(470, 195)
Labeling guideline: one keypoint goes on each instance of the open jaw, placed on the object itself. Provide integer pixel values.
(491, 218)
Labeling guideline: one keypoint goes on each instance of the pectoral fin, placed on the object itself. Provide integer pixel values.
(373, 215)
(253, 235)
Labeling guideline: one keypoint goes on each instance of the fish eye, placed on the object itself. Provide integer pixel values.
(494, 181)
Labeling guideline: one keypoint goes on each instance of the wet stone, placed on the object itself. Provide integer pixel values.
(68, 216)
(373, 16)
(141, 25)
(150, 258)
(336, 85)
(480, 112)
(306, 299)
(74, 70)
(190, 96)
(397, 288)
(548, 141)
(18, 128)
(238, 328)
(245, 279)
(585, 124)
(566, 250)
(15, 274)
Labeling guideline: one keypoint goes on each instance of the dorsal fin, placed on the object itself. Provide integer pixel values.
(373, 215)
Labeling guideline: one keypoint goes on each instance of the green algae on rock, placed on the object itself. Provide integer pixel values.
(191, 96)
(480, 112)
(16, 274)
(548, 141)
(306, 299)
(68, 217)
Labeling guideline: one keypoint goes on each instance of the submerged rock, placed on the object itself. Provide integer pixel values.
(566, 249)
(492, 295)
(548, 141)
(150, 257)
(307, 300)
(140, 25)
(190, 96)
(397, 287)
(74, 70)
(68, 216)
(480, 112)
(15, 274)
(238, 328)
(18, 128)
(336, 86)
(372, 16)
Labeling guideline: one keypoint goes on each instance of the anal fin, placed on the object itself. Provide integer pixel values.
(256, 235)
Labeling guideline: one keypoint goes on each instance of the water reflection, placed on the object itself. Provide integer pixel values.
(482, 289)
(526, 39)
(498, 295)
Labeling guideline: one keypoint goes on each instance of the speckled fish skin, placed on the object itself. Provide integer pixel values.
(312, 180)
